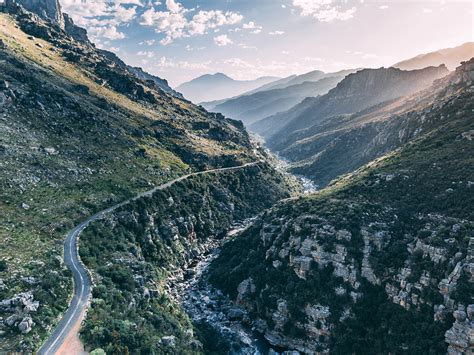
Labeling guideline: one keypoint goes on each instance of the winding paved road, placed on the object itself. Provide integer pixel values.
(82, 284)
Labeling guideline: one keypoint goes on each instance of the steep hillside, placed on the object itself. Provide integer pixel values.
(219, 86)
(356, 92)
(132, 252)
(336, 133)
(277, 96)
(382, 261)
(78, 133)
(343, 143)
(451, 57)
(251, 108)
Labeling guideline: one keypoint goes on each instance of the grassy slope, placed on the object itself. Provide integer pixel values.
(70, 145)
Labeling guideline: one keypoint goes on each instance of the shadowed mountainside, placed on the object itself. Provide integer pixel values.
(382, 261)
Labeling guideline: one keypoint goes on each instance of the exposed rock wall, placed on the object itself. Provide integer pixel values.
(47, 9)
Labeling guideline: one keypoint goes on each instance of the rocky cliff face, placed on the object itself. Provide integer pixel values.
(340, 144)
(47, 9)
(356, 92)
(380, 262)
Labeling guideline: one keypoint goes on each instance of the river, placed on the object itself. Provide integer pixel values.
(205, 304)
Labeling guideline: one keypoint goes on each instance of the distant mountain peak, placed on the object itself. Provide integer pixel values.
(215, 76)
(217, 86)
(220, 75)
(451, 57)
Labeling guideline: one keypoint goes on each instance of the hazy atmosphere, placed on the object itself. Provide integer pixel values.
(245, 39)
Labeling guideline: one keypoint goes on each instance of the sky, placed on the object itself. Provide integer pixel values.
(181, 39)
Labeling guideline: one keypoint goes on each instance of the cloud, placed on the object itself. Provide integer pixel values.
(427, 10)
(222, 40)
(166, 63)
(323, 10)
(149, 42)
(276, 33)
(255, 29)
(147, 54)
(246, 46)
(383, 7)
(190, 48)
(102, 18)
(109, 32)
(176, 23)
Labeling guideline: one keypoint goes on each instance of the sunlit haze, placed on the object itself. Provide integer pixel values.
(181, 39)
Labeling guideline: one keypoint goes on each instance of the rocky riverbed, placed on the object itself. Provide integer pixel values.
(206, 305)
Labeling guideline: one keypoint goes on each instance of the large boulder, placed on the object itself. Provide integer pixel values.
(26, 325)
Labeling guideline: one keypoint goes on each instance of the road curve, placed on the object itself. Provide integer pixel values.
(82, 284)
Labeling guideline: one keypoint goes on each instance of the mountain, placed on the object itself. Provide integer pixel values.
(451, 57)
(278, 96)
(81, 131)
(254, 107)
(357, 92)
(218, 86)
(381, 262)
(46, 9)
(314, 75)
(292, 80)
(157, 82)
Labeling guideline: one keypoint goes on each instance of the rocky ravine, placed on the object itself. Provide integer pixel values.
(209, 307)
(382, 261)
(132, 252)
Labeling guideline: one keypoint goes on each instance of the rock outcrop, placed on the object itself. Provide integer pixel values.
(21, 305)
(460, 336)
(47, 9)
(76, 32)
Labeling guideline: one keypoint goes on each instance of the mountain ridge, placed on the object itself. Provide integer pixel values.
(356, 92)
(211, 87)
(451, 57)
(257, 106)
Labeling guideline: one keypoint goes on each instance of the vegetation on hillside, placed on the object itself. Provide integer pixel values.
(132, 252)
(79, 133)
(386, 249)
